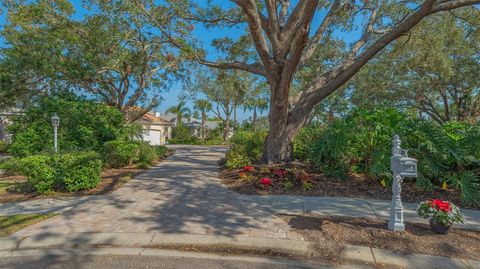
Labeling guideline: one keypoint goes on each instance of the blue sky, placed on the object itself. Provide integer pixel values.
(205, 36)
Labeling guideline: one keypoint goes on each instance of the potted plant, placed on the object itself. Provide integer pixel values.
(441, 215)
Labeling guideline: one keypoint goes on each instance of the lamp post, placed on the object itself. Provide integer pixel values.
(55, 123)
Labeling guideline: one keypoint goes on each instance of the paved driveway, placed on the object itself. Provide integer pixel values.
(181, 195)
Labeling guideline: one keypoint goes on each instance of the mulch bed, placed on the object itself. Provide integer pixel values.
(333, 233)
(354, 185)
(111, 180)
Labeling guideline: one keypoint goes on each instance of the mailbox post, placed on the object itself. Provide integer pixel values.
(401, 166)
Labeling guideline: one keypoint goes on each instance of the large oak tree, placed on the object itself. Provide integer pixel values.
(283, 38)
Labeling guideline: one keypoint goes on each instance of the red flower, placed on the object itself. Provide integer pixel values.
(265, 181)
(305, 177)
(441, 205)
(280, 172)
(248, 168)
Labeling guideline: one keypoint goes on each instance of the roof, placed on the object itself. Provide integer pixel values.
(12, 112)
(208, 124)
(154, 119)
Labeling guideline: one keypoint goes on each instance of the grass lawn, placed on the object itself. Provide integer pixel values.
(11, 224)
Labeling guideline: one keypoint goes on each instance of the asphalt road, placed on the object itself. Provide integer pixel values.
(162, 260)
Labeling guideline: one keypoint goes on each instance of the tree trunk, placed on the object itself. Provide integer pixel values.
(235, 116)
(204, 122)
(226, 129)
(254, 120)
(278, 146)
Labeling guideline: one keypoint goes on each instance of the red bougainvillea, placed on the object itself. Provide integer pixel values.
(265, 181)
(248, 168)
(280, 172)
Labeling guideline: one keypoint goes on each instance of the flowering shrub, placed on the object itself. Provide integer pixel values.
(442, 212)
(243, 176)
(306, 180)
(265, 181)
(248, 168)
(304, 177)
(280, 172)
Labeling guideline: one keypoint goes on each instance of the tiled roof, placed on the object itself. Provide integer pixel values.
(152, 118)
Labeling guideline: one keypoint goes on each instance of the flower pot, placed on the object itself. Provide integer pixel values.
(439, 228)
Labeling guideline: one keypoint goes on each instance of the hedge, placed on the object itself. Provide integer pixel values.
(119, 153)
(62, 172)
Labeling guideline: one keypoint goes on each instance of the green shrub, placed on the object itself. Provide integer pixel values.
(39, 171)
(302, 145)
(3, 147)
(182, 135)
(213, 139)
(251, 142)
(84, 125)
(237, 157)
(26, 142)
(119, 153)
(361, 143)
(78, 171)
(160, 151)
(332, 152)
(143, 165)
(70, 172)
(148, 154)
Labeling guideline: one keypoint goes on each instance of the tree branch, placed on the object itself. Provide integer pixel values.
(254, 21)
(326, 84)
(255, 68)
(449, 5)
(313, 43)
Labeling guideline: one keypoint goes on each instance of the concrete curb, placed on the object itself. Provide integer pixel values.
(148, 244)
(381, 257)
(278, 261)
(158, 240)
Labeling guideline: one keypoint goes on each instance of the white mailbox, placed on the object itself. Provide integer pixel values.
(402, 166)
(408, 167)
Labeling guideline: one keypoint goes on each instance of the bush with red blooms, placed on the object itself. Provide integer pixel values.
(248, 168)
(266, 182)
(306, 180)
(280, 172)
(442, 212)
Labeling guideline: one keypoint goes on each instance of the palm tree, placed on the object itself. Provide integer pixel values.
(204, 106)
(181, 111)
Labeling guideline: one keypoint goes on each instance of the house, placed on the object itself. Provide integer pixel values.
(195, 125)
(5, 120)
(156, 130)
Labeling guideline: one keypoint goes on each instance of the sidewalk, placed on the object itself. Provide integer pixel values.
(351, 207)
(46, 205)
(275, 204)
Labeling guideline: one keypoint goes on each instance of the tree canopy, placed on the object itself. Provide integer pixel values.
(285, 43)
(108, 54)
